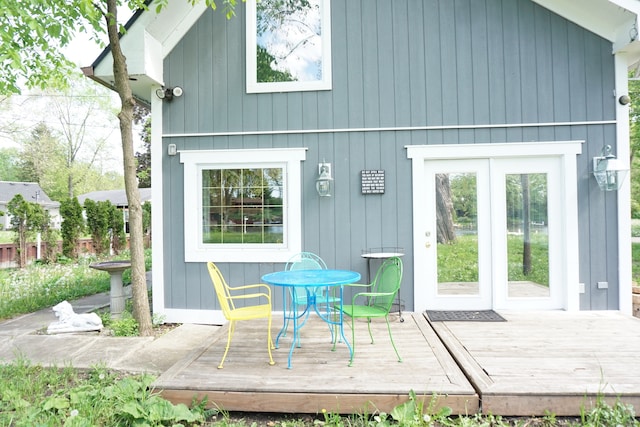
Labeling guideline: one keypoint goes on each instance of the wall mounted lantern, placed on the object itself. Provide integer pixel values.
(169, 93)
(624, 100)
(324, 181)
(607, 171)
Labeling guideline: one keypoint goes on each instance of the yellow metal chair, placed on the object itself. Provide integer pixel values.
(233, 313)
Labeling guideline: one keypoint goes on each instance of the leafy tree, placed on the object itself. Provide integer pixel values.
(72, 226)
(146, 219)
(50, 240)
(116, 229)
(9, 165)
(143, 158)
(264, 68)
(39, 156)
(27, 218)
(98, 224)
(31, 51)
(79, 107)
(45, 158)
(634, 141)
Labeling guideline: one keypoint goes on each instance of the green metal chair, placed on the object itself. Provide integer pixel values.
(376, 301)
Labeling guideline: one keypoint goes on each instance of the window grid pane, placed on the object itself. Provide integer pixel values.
(242, 206)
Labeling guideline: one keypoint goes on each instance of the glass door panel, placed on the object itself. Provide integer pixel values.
(457, 233)
(458, 249)
(527, 235)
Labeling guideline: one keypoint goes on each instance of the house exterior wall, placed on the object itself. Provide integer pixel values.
(406, 72)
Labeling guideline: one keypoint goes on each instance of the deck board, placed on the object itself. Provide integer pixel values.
(321, 378)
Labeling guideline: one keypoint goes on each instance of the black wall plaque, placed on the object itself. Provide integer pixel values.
(372, 181)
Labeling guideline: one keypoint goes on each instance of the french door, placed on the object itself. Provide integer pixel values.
(492, 232)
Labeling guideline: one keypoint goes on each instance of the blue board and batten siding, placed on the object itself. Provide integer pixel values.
(406, 63)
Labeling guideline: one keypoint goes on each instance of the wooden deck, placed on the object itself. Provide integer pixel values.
(548, 361)
(533, 363)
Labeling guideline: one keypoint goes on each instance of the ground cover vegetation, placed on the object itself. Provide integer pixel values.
(38, 286)
(34, 395)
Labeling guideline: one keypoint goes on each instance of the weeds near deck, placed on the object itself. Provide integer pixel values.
(34, 395)
(604, 415)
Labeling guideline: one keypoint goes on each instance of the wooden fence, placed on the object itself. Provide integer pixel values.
(8, 251)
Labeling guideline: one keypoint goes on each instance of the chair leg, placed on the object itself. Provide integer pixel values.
(269, 342)
(391, 337)
(369, 326)
(232, 326)
(353, 341)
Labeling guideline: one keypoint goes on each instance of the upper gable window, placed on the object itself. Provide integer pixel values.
(288, 45)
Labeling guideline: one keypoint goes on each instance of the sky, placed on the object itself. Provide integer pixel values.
(83, 52)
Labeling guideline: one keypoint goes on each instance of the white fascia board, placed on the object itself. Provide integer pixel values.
(630, 5)
(605, 18)
(175, 20)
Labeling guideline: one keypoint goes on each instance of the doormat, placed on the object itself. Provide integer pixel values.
(464, 316)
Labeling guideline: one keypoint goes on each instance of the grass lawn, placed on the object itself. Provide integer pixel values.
(6, 236)
(635, 262)
(458, 262)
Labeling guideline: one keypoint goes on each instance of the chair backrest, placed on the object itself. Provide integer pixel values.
(222, 290)
(387, 280)
(305, 261)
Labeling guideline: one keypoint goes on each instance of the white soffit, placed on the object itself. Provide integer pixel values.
(149, 39)
(613, 20)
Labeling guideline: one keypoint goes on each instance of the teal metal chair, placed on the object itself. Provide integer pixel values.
(308, 261)
(375, 300)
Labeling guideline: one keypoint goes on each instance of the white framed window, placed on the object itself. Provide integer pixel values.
(288, 46)
(242, 205)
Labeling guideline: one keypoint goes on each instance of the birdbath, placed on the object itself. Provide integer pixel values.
(115, 270)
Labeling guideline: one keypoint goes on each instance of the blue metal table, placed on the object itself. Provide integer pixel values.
(309, 280)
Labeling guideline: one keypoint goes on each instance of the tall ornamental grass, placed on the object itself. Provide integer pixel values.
(39, 286)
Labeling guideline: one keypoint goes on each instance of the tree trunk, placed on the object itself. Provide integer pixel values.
(141, 311)
(444, 210)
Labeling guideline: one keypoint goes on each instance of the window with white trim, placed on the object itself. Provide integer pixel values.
(242, 205)
(288, 46)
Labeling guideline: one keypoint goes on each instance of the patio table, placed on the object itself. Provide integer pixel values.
(308, 280)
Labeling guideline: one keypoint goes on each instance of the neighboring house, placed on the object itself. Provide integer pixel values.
(118, 198)
(31, 192)
(504, 100)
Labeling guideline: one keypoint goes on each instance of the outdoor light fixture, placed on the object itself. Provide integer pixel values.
(608, 173)
(324, 181)
(169, 93)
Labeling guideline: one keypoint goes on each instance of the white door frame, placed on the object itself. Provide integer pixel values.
(483, 299)
(566, 151)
